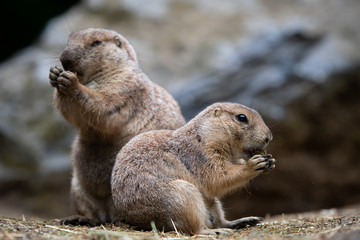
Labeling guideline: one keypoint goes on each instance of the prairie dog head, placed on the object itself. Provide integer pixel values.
(92, 50)
(238, 131)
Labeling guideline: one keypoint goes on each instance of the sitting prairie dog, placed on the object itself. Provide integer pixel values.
(175, 178)
(105, 95)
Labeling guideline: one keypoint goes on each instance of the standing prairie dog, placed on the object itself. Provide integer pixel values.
(104, 94)
(175, 178)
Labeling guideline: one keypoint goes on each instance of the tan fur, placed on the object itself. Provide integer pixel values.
(177, 176)
(104, 94)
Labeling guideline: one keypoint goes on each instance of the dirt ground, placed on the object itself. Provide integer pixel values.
(334, 224)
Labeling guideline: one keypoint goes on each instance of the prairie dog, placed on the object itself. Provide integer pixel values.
(175, 177)
(102, 91)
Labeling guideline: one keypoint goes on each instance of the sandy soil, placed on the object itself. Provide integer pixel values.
(341, 224)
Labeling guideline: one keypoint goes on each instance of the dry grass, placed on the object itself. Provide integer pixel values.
(322, 225)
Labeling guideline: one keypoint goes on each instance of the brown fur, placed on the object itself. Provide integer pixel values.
(104, 94)
(175, 177)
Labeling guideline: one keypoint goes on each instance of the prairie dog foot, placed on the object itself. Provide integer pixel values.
(244, 222)
(78, 220)
(235, 224)
(217, 232)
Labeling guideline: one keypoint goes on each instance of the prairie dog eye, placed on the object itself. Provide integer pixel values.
(242, 118)
(96, 43)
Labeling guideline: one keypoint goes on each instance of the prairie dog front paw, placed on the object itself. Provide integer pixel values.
(67, 82)
(54, 75)
(261, 163)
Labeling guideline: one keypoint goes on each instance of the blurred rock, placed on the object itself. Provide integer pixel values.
(316, 146)
(267, 77)
(297, 62)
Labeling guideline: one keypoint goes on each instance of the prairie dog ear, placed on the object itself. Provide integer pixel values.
(217, 112)
(117, 41)
(124, 44)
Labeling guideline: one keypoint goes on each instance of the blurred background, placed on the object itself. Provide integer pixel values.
(295, 61)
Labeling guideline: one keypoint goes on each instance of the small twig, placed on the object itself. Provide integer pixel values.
(155, 231)
(177, 233)
(331, 230)
(61, 229)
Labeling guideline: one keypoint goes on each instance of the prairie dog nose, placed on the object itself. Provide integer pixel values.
(268, 137)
